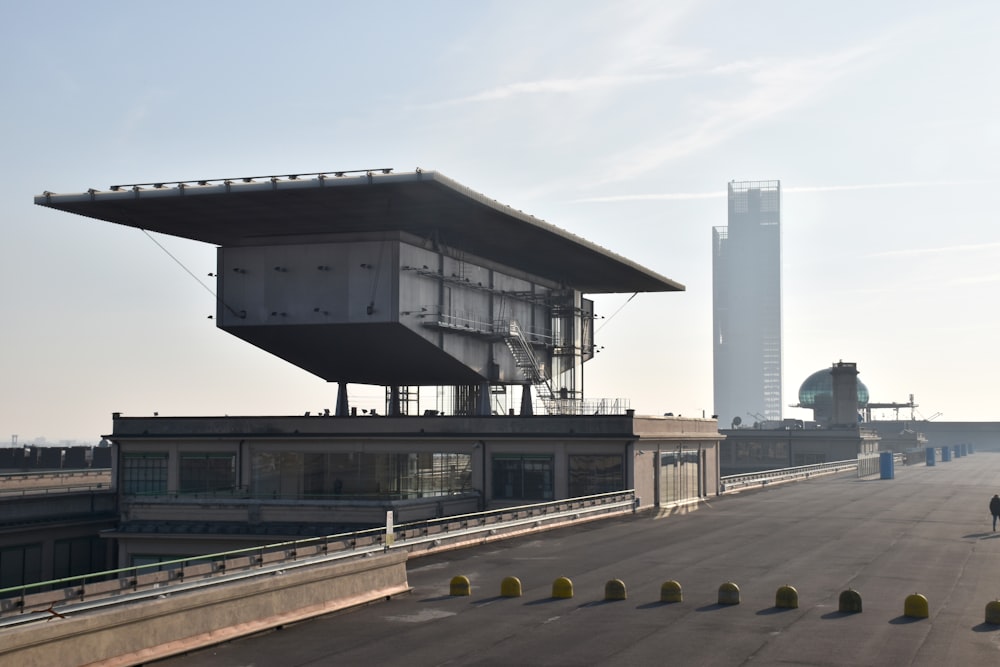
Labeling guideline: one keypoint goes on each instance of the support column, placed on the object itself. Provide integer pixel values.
(526, 409)
(342, 407)
(483, 407)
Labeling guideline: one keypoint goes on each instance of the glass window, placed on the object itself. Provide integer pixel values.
(144, 473)
(436, 474)
(79, 555)
(590, 474)
(202, 473)
(522, 477)
(359, 475)
(765, 453)
(20, 565)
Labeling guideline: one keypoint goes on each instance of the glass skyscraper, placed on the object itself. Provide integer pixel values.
(746, 305)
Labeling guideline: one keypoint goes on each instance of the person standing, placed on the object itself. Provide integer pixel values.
(995, 509)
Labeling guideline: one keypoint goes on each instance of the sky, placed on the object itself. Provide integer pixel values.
(621, 122)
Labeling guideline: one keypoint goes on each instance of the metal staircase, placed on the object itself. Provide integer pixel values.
(524, 358)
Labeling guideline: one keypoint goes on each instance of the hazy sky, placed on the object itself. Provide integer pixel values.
(621, 122)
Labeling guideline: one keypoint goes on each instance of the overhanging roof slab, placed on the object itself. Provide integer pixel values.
(235, 212)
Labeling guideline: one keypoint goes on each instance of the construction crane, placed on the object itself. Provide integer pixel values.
(893, 406)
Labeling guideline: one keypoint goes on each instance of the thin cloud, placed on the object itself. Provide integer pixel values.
(978, 280)
(804, 189)
(555, 86)
(882, 186)
(627, 45)
(777, 87)
(664, 196)
(942, 250)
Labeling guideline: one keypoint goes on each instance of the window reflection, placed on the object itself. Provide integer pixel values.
(359, 475)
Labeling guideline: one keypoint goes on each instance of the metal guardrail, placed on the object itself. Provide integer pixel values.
(731, 483)
(20, 484)
(43, 600)
(54, 490)
(6, 477)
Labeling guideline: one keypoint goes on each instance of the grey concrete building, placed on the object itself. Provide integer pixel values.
(190, 486)
(405, 281)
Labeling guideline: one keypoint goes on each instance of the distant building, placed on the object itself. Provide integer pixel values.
(817, 394)
(837, 434)
(746, 305)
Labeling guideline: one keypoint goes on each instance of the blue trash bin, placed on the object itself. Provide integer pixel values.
(886, 465)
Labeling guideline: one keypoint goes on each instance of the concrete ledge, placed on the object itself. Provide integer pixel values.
(131, 634)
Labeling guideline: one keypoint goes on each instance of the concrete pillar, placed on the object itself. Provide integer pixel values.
(526, 409)
(342, 407)
(394, 401)
(483, 407)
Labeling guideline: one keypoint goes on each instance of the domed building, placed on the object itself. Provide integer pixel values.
(816, 394)
(836, 397)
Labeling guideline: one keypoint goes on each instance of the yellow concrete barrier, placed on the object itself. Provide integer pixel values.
(510, 587)
(615, 590)
(460, 586)
(786, 598)
(993, 612)
(671, 591)
(850, 602)
(916, 606)
(729, 593)
(562, 588)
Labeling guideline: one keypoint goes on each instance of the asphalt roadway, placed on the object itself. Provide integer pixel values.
(927, 531)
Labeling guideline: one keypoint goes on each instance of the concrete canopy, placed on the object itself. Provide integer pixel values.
(252, 211)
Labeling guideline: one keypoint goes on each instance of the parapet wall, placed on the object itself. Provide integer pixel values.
(131, 634)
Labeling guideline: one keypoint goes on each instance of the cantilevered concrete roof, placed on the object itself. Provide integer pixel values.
(247, 211)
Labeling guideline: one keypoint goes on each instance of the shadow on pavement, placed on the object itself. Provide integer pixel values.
(770, 611)
(906, 620)
(488, 600)
(542, 601)
(654, 605)
(839, 614)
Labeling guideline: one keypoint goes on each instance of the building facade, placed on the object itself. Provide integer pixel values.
(189, 486)
(746, 305)
(746, 450)
(404, 281)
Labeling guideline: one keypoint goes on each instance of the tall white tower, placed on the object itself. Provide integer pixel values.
(746, 305)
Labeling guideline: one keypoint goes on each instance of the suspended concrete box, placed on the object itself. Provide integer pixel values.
(380, 278)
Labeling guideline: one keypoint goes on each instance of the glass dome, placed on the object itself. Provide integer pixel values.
(818, 388)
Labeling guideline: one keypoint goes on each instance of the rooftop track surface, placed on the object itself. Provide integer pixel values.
(927, 531)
